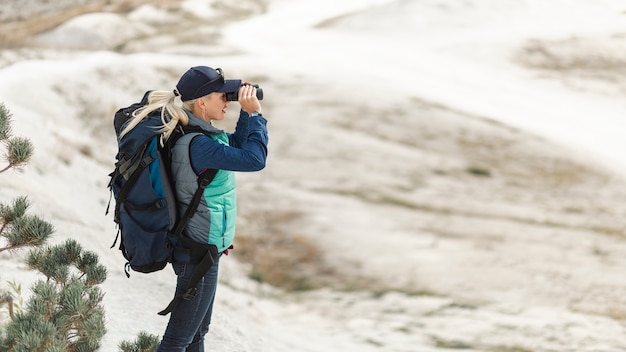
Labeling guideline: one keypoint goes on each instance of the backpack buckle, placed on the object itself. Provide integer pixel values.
(190, 294)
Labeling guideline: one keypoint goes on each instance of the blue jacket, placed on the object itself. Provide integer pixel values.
(243, 150)
(246, 149)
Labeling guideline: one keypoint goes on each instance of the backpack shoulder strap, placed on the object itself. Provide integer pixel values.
(204, 180)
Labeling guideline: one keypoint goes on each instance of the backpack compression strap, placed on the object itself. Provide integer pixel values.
(209, 251)
(136, 168)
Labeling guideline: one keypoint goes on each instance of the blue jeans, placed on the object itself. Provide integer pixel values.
(190, 319)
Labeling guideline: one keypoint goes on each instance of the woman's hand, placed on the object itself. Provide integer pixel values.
(247, 98)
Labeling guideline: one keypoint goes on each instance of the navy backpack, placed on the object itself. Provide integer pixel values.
(149, 226)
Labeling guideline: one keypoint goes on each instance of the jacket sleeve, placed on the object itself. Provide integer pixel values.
(239, 138)
(247, 150)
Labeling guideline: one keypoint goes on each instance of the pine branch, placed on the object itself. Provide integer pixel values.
(5, 122)
(145, 342)
(19, 152)
(8, 214)
(27, 230)
(19, 149)
(14, 248)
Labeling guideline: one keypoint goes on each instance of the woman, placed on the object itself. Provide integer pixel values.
(203, 93)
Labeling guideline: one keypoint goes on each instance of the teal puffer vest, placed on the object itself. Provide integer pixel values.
(214, 221)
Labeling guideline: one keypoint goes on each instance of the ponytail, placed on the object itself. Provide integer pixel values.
(171, 114)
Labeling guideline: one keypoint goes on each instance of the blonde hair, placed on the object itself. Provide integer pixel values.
(163, 100)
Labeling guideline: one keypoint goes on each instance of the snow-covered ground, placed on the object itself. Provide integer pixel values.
(453, 170)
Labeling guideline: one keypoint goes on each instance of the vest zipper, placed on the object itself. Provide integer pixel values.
(224, 229)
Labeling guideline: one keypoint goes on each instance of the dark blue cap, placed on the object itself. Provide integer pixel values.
(199, 81)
